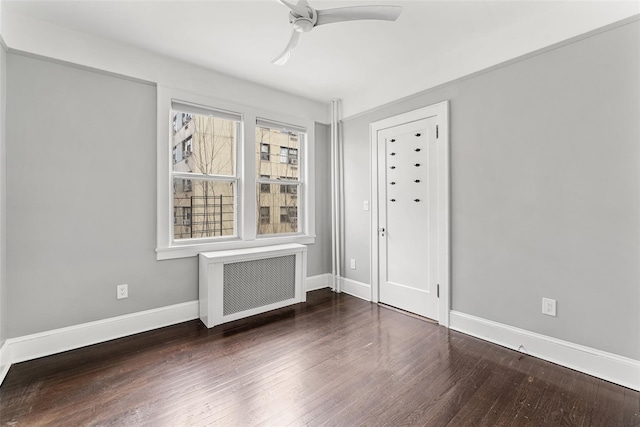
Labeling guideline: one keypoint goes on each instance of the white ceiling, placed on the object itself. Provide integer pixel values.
(365, 63)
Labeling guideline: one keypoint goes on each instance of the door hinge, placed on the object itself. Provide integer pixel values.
(437, 132)
(438, 291)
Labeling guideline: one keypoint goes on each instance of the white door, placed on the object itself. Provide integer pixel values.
(408, 217)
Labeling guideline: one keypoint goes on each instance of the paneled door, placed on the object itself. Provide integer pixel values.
(408, 216)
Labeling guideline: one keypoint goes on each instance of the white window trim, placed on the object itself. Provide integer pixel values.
(246, 187)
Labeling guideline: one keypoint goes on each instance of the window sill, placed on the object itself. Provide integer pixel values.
(185, 251)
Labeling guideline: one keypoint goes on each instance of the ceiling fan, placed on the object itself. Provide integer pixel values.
(303, 18)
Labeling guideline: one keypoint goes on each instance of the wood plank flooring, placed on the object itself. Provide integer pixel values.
(334, 361)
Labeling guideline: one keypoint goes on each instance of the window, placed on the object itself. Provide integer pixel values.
(187, 147)
(205, 186)
(289, 189)
(293, 156)
(186, 216)
(284, 154)
(289, 215)
(265, 188)
(265, 215)
(264, 151)
(224, 176)
(179, 120)
(282, 170)
(182, 222)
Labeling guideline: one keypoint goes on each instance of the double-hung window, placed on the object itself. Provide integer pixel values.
(205, 177)
(229, 178)
(281, 175)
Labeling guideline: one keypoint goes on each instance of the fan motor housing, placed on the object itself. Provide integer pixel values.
(303, 24)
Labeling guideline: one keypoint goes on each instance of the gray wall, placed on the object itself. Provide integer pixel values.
(81, 199)
(545, 160)
(3, 282)
(319, 254)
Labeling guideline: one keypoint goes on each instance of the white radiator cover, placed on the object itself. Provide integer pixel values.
(240, 283)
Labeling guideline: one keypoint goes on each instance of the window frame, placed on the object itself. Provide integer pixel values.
(246, 188)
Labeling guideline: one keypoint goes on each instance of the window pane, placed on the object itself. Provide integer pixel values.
(203, 144)
(289, 189)
(282, 207)
(277, 154)
(284, 154)
(264, 187)
(265, 217)
(203, 209)
(264, 152)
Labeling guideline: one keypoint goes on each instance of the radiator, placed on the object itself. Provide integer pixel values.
(240, 283)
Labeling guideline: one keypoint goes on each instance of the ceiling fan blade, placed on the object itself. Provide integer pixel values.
(353, 13)
(300, 8)
(286, 53)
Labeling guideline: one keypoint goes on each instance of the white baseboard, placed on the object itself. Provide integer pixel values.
(355, 288)
(611, 367)
(348, 286)
(58, 340)
(28, 347)
(608, 366)
(5, 360)
(320, 281)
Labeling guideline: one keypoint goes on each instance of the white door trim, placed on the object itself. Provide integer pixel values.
(441, 110)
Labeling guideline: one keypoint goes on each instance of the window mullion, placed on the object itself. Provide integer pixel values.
(248, 179)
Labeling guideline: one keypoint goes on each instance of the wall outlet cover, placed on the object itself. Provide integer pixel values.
(122, 291)
(549, 306)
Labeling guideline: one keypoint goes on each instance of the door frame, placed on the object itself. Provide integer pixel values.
(440, 110)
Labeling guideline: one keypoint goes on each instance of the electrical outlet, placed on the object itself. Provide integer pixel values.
(549, 307)
(353, 264)
(122, 291)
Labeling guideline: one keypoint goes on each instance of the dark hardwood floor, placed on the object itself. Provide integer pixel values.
(335, 360)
